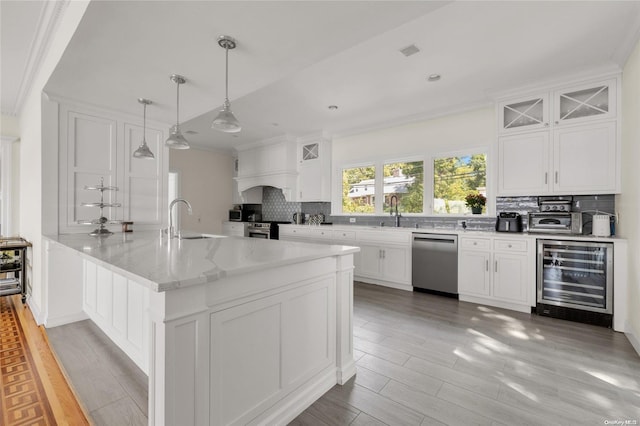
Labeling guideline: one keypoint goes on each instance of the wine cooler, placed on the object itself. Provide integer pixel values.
(575, 281)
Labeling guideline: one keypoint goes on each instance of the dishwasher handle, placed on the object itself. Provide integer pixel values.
(434, 239)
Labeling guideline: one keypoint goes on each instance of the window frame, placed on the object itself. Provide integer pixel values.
(428, 179)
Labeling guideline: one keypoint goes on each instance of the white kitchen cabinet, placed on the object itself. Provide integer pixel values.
(579, 160)
(97, 144)
(575, 153)
(370, 262)
(234, 229)
(497, 271)
(523, 164)
(314, 169)
(474, 277)
(585, 102)
(524, 113)
(585, 159)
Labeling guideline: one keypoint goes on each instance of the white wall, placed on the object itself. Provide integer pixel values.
(628, 203)
(205, 181)
(10, 131)
(9, 126)
(31, 158)
(465, 131)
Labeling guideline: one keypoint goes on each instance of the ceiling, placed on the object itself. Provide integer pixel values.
(295, 58)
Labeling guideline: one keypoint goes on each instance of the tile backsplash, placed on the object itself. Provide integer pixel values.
(276, 208)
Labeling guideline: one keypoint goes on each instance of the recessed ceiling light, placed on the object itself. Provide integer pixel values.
(434, 77)
(333, 107)
(410, 50)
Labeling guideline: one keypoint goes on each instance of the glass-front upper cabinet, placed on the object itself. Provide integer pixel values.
(528, 113)
(585, 102)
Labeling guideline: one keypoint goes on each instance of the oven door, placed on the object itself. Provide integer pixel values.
(258, 233)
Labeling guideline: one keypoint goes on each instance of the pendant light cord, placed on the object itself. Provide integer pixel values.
(226, 77)
(144, 124)
(178, 104)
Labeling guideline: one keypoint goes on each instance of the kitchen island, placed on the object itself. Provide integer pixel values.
(230, 330)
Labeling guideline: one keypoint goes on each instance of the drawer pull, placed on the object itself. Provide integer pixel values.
(475, 243)
(510, 246)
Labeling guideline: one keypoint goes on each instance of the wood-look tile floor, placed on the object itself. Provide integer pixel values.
(421, 360)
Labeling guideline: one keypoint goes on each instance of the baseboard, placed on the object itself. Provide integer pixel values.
(299, 400)
(495, 303)
(633, 336)
(35, 311)
(406, 287)
(344, 374)
(66, 319)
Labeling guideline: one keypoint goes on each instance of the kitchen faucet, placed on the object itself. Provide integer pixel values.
(172, 232)
(398, 215)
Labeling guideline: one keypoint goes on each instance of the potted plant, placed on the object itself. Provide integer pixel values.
(476, 202)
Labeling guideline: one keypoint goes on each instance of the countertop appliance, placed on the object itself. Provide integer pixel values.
(509, 222)
(556, 222)
(235, 215)
(434, 263)
(575, 281)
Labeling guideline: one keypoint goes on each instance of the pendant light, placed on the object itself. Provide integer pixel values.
(226, 121)
(176, 140)
(143, 151)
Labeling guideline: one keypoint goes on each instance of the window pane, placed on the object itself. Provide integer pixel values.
(406, 182)
(358, 190)
(454, 178)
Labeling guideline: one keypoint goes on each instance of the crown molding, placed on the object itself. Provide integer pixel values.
(48, 22)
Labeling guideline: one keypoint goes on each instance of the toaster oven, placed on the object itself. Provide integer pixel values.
(556, 222)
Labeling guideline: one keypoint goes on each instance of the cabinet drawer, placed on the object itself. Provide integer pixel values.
(322, 234)
(475, 244)
(393, 237)
(519, 246)
(297, 232)
(344, 235)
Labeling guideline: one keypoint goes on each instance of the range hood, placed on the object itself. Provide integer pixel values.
(269, 163)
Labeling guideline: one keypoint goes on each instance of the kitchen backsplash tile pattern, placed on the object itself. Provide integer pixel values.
(276, 208)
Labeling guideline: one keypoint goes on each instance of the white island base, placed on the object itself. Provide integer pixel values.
(230, 330)
(261, 355)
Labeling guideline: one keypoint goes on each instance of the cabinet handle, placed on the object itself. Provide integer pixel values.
(487, 265)
(557, 122)
(384, 254)
(546, 178)
(556, 177)
(546, 124)
(510, 246)
(496, 267)
(475, 243)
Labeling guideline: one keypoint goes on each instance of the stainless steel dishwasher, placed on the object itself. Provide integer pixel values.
(434, 260)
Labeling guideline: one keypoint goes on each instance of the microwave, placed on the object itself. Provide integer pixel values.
(235, 215)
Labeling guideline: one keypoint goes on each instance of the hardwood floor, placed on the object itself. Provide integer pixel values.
(33, 389)
(421, 360)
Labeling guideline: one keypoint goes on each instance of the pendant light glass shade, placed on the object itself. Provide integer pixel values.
(176, 140)
(226, 121)
(143, 151)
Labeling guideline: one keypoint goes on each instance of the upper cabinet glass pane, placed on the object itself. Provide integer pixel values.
(584, 103)
(310, 152)
(527, 113)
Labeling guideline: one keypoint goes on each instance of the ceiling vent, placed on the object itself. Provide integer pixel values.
(409, 50)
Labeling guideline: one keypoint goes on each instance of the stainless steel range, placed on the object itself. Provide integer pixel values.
(264, 230)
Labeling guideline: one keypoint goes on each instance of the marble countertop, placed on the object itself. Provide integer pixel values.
(166, 264)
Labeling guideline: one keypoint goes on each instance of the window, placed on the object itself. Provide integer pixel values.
(454, 178)
(359, 189)
(406, 182)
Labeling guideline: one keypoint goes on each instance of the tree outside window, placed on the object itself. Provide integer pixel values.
(359, 189)
(406, 181)
(454, 178)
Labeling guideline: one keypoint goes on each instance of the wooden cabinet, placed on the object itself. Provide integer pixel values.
(314, 169)
(497, 271)
(575, 153)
